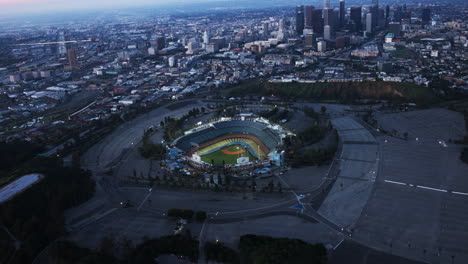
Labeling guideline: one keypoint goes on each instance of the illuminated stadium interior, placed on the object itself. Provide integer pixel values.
(224, 142)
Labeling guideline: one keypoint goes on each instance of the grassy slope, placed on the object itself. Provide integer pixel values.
(342, 92)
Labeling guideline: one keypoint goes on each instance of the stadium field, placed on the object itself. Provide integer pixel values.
(229, 154)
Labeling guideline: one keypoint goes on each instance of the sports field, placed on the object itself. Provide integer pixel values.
(229, 154)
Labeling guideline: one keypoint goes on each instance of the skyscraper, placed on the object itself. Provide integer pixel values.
(71, 56)
(300, 19)
(369, 24)
(317, 21)
(206, 37)
(374, 10)
(309, 40)
(387, 14)
(426, 16)
(395, 28)
(329, 20)
(266, 29)
(308, 16)
(356, 16)
(327, 33)
(342, 13)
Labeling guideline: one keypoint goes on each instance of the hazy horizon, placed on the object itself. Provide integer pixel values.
(18, 7)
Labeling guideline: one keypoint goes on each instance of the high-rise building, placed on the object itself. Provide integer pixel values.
(329, 20)
(152, 51)
(172, 61)
(309, 40)
(158, 42)
(317, 21)
(374, 10)
(395, 28)
(426, 16)
(266, 29)
(308, 16)
(398, 14)
(206, 37)
(220, 41)
(369, 24)
(387, 14)
(342, 13)
(327, 32)
(381, 18)
(341, 42)
(322, 46)
(356, 16)
(212, 48)
(71, 55)
(300, 19)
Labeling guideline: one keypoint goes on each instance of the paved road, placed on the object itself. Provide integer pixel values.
(115, 147)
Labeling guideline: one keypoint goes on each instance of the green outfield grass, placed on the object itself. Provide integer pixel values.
(230, 157)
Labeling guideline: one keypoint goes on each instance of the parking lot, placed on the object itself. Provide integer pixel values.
(418, 208)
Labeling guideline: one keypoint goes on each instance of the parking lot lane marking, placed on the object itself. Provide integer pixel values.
(461, 193)
(144, 200)
(400, 183)
(429, 188)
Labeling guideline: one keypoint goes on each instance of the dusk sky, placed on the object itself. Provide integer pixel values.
(27, 6)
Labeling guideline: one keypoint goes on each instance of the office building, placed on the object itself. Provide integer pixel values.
(394, 28)
(309, 40)
(342, 13)
(158, 41)
(356, 17)
(212, 48)
(374, 10)
(152, 51)
(327, 34)
(329, 22)
(172, 61)
(308, 17)
(387, 14)
(300, 19)
(317, 21)
(426, 16)
(369, 24)
(322, 46)
(71, 56)
(206, 38)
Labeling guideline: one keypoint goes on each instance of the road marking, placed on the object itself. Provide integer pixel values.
(429, 188)
(144, 200)
(461, 193)
(426, 188)
(400, 183)
(337, 245)
(255, 209)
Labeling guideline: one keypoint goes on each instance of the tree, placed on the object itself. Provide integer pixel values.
(323, 109)
(108, 245)
(271, 186)
(211, 179)
(280, 187)
(200, 216)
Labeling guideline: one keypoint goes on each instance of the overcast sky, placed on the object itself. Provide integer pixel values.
(27, 6)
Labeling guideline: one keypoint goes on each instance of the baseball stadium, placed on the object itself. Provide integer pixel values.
(229, 142)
